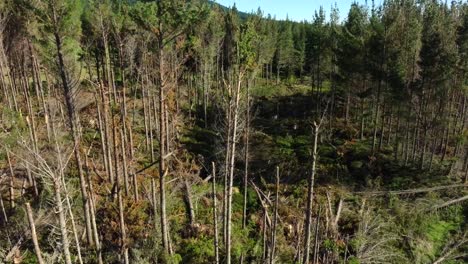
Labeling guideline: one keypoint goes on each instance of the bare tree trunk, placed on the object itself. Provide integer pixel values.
(246, 159)
(135, 187)
(299, 235)
(226, 172)
(265, 236)
(215, 215)
(338, 213)
(153, 125)
(231, 169)
(310, 198)
(205, 93)
(124, 161)
(5, 217)
(72, 220)
(189, 203)
(162, 187)
(32, 226)
(12, 177)
(376, 117)
(93, 214)
(146, 121)
(275, 219)
(106, 136)
(246, 165)
(61, 177)
(5, 79)
(103, 136)
(62, 221)
(74, 130)
(32, 180)
(163, 143)
(154, 202)
(316, 239)
(107, 63)
(115, 152)
(123, 233)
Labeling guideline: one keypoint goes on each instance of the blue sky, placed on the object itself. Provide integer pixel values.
(295, 9)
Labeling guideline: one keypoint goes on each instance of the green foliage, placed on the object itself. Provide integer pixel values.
(167, 19)
(285, 52)
(438, 231)
(172, 259)
(433, 238)
(136, 219)
(285, 145)
(247, 52)
(263, 89)
(29, 258)
(199, 140)
(66, 24)
(15, 128)
(350, 54)
(198, 250)
(401, 68)
(353, 260)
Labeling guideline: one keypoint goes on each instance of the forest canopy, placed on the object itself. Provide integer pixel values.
(176, 131)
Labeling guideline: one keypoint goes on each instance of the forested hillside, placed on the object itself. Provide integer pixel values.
(176, 131)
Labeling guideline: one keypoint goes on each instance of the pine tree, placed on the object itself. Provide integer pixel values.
(167, 21)
(376, 63)
(437, 58)
(351, 54)
(316, 46)
(59, 21)
(285, 52)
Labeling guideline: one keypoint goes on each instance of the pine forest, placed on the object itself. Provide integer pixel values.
(185, 131)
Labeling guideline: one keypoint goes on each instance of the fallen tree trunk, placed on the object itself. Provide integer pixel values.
(448, 203)
(32, 226)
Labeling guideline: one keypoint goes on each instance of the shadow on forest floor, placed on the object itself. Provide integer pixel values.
(281, 135)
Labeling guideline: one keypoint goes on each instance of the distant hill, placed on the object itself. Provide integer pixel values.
(242, 15)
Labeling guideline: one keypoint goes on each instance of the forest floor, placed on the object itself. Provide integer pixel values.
(401, 200)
